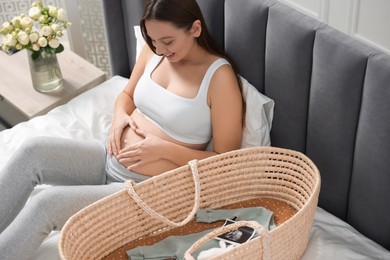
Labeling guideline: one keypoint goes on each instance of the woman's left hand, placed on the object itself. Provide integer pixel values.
(143, 152)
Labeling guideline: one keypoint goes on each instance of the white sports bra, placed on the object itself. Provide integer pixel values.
(184, 119)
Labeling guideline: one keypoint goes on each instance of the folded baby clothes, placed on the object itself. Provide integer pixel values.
(174, 247)
(259, 214)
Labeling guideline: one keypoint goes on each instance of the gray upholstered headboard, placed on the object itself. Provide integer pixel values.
(331, 93)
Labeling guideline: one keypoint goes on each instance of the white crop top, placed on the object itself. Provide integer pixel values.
(184, 119)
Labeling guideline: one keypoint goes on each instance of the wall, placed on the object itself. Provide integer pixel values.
(87, 35)
(367, 20)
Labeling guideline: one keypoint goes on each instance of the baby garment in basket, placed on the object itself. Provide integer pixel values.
(174, 247)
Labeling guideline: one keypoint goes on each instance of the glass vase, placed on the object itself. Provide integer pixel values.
(45, 72)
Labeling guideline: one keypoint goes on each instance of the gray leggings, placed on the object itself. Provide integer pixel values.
(83, 174)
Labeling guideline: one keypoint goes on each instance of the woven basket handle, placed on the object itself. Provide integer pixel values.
(216, 232)
(194, 170)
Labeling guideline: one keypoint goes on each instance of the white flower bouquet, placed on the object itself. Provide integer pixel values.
(36, 31)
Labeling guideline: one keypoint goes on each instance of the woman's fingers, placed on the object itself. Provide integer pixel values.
(117, 140)
(114, 141)
(132, 124)
(136, 164)
(140, 132)
(130, 157)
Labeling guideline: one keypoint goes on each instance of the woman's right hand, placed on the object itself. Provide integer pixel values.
(118, 125)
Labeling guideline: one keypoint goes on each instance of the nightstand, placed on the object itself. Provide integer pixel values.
(18, 99)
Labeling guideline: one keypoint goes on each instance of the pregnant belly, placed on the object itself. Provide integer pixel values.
(129, 137)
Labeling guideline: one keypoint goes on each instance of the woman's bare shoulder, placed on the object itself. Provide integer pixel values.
(224, 78)
(145, 55)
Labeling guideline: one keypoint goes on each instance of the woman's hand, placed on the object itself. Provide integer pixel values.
(117, 127)
(150, 149)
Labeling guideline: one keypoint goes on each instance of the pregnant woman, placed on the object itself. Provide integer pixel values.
(182, 92)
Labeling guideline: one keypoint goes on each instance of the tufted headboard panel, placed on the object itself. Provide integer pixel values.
(331, 95)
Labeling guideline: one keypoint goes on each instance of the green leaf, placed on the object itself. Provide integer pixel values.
(48, 49)
(59, 48)
(35, 55)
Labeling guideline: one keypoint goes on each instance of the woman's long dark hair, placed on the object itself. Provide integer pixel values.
(182, 13)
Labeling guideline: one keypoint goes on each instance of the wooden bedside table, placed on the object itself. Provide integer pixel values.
(18, 99)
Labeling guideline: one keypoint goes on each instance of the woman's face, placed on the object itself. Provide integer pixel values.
(172, 42)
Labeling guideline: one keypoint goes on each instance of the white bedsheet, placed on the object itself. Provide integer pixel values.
(88, 116)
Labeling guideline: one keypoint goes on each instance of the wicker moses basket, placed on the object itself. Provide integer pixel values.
(166, 203)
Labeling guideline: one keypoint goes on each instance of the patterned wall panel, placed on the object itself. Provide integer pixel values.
(11, 8)
(94, 36)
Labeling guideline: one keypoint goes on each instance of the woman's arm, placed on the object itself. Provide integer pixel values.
(124, 104)
(225, 100)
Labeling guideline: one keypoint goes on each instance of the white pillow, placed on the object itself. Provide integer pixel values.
(258, 117)
(140, 40)
(259, 110)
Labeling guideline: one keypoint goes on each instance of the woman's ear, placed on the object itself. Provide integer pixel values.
(196, 28)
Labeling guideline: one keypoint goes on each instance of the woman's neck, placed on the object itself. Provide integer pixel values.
(197, 55)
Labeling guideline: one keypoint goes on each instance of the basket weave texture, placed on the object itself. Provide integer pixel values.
(260, 172)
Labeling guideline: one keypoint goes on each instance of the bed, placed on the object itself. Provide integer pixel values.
(88, 116)
(276, 65)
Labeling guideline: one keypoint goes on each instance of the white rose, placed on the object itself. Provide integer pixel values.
(54, 43)
(61, 15)
(34, 36)
(35, 47)
(42, 42)
(19, 46)
(34, 12)
(53, 10)
(46, 30)
(26, 22)
(5, 48)
(7, 26)
(15, 21)
(55, 27)
(23, 38)
(41, 19)
(9, 40)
